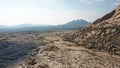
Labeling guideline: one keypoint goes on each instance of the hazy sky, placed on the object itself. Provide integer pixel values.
(52, 12)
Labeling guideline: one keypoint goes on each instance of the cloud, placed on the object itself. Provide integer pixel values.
(44, 16)
(23, 15)
(42, 10)
(48, 0)
(91, 1)
(117, 2)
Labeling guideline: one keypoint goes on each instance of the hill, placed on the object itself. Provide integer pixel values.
(102, 35)
(75, 24)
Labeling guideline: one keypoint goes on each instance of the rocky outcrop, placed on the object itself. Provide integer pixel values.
(103, 34)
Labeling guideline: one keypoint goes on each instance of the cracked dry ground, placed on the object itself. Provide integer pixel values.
(61, 54)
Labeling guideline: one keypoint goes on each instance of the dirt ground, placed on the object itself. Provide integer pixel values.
(57, 53)
(48, 50)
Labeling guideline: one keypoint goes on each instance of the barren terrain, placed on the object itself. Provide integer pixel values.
(53, 52)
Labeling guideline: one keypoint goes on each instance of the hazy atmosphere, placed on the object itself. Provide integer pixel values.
(59, 33)
(52, 12)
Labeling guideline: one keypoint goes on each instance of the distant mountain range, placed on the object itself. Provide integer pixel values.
(75, 24)
(21, 25)
(2, 26)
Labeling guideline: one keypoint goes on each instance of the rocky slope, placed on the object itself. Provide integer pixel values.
(102, 35)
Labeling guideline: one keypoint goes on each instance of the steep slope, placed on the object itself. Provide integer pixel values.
(102, 35)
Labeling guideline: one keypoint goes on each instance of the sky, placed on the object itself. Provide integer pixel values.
(52, 12)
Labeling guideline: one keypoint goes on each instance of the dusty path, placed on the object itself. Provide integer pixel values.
(61, 54)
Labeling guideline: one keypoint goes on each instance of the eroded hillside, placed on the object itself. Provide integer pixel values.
(102, 35)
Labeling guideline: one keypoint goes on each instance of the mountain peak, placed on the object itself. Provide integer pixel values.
(78, 22)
